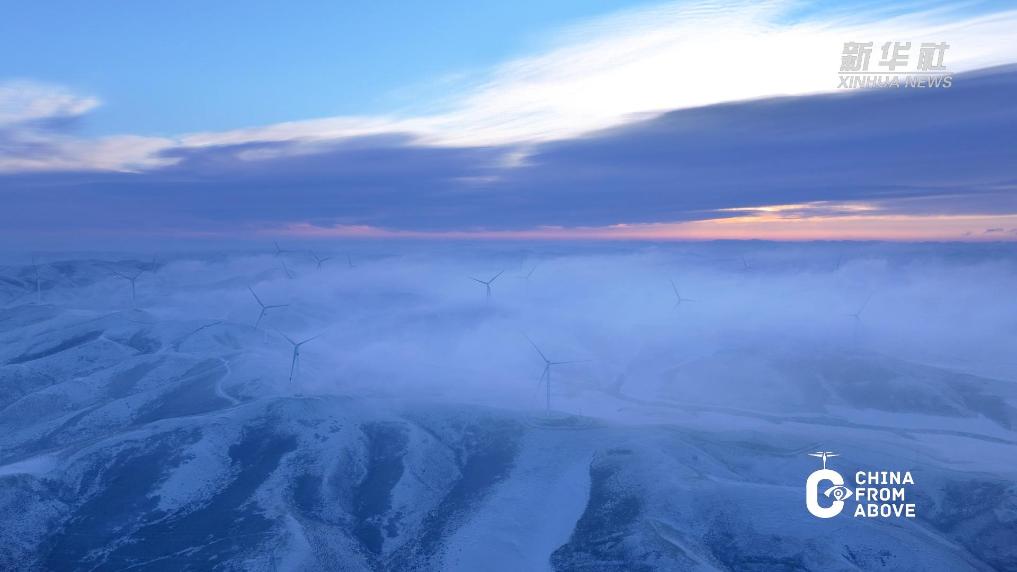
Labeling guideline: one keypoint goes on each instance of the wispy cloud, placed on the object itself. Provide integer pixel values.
(594, 75)
(611, 70)
(36, 134)
(26, 102)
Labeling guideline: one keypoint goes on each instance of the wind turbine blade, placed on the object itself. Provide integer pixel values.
(538, 349)
(260, 303)
(309, 339)
(496, 276)
(288, 339)
(675, 288)
(293, 364)
(478, 280)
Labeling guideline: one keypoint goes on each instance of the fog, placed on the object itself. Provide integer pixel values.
(414, 432)
(407, 319)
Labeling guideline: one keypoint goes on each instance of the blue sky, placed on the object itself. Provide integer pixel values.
(164, 68)
(603, 119)
(174, 67)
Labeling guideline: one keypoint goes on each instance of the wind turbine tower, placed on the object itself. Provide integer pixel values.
(296, 352)
(545, 375)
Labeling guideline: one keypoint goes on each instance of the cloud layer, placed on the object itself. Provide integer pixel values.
(594, 75)
(910, 152)
(578, 136)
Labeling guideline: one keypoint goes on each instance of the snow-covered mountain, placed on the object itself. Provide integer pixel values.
(161, 432)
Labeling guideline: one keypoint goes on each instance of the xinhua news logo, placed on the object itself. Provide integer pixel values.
(875, 494)
(897, 65)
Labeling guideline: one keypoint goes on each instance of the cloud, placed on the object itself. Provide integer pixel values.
(37, 134)
(895, 147)
(606, 72)
(603, 73)
(880, 152)
(631, 123)
(25, 102)
(26, 150)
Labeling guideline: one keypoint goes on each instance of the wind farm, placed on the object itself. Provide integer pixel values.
(571, 286)
(354, 366)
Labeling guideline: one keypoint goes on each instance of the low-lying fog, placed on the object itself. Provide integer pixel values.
(415, 320)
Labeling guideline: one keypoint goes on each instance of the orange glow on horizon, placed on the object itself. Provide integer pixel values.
(767, 224)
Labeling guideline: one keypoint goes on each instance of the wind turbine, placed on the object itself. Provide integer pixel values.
(858, 315)
(745, 264)
(278, 251)
(133, 280)
(824, 455)
(296, 351)
(349, 261)
(264, 307)
(545, 376)
(487, 283)
(678, 297)
(320, 261)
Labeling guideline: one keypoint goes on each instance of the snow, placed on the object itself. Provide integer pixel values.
(414, 436)
(36, 466)
(530, 516)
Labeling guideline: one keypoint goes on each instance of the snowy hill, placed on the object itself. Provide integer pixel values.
(413, 437)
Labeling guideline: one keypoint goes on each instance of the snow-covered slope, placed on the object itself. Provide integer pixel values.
(168, 438)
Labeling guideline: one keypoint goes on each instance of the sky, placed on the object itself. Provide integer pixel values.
(598, 119)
